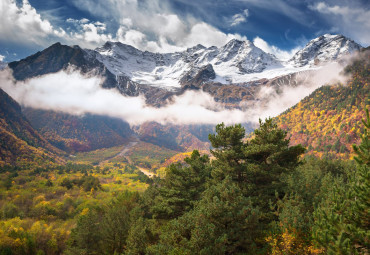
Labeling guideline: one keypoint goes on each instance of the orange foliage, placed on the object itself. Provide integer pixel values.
(328, 121)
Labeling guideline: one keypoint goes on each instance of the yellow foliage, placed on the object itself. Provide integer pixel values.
(289, 243)
(84, 211)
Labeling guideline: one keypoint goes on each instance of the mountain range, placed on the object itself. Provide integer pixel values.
(231, 74)
(160, 76)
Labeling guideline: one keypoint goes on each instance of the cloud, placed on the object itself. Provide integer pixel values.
(147, 25)
(277, 102)
(239, 18)
(84, 20)
(78, 21)
(90, 35)
(207, 35)
(76, 94)
(280, 54)
(71, 92)
(24, 25)
(353, 21)
(153, 26)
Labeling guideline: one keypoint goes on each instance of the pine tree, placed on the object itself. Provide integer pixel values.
(269, 157)
(229, 151)
(181, 187)
(224, 221)
(256, 165)
(342, 220)
(361, 190)
(86, 237)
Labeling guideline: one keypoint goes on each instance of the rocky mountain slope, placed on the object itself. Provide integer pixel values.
(60, 57)
(229, 62)
(20, 144)
(323, 49)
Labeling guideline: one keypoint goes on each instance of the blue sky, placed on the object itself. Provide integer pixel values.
(277, 26)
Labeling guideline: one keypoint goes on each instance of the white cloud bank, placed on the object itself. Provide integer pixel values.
(73, 93)
(151, 27)
(24, 24)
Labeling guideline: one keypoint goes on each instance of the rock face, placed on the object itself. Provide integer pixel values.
(197, 76)
(246, 57)
(58, 57)
(323, 49)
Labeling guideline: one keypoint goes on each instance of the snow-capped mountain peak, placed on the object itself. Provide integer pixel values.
(324, 48)
(235, 62)
(234, 59)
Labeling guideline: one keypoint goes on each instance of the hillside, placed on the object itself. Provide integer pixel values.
(328, 121)
(175, 137)
(20, 144)
(79, 133)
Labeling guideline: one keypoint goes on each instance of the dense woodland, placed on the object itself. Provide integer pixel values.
(255, 197)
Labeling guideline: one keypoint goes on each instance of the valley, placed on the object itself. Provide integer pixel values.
(291, 178)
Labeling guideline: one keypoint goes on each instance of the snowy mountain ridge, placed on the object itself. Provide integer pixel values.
(324, 48)
(235, 62)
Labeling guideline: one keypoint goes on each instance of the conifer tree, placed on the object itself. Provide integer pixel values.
(229, 151)
(342, 220)
(224, 221)
(256, 165)
(182, 186)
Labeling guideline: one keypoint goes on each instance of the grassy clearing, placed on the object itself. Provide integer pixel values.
(97, 156)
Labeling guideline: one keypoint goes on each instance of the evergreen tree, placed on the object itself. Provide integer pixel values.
(269, 156)
(114, 229)
(256, 165)
(86, 237)
(342, 220)
(140, 236)
(181, 187)
(229, 151)
(224, 221)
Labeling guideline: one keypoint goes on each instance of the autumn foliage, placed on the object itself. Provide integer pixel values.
(328, 121)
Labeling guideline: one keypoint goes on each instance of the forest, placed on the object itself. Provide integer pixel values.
(250, 196)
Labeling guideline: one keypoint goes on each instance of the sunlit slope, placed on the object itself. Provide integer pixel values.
(328, 121)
